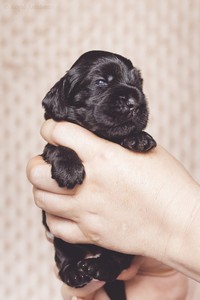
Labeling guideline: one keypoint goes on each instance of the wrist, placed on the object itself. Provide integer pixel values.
(180, 248)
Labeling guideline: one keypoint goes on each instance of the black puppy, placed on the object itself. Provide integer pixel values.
(103, 93)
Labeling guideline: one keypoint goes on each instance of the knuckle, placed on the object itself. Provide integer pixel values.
(107, 154)
(94, 237)
(93, 234)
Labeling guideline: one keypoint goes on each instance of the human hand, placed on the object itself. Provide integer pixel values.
(128, 201)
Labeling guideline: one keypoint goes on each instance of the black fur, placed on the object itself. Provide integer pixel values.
(103, 93)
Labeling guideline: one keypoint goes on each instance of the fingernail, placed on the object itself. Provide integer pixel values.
(49, 236)
(74, 298)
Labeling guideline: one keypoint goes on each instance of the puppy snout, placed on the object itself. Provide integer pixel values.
(131, 101)
(132, 97)
(132, 104)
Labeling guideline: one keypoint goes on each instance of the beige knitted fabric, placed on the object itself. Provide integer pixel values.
(39, 40)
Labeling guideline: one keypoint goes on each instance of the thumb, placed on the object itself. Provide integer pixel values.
(72, 136)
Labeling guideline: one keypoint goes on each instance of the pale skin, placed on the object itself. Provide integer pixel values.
(143, 204)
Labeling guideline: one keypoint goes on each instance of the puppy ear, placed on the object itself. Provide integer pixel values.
(55, 101)
(139, 78)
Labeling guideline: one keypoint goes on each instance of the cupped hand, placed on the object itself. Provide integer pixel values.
(129, 202)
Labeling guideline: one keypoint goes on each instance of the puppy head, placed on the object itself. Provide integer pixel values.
(101, 92)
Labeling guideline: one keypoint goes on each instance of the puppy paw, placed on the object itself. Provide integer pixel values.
(140, 142)
(66, 167)
(74, 276)
(67, 173)
(101, 268)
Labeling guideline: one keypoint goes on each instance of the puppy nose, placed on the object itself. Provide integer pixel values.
(132, 103)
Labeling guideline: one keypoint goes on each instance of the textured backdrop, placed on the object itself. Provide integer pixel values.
(39, 40)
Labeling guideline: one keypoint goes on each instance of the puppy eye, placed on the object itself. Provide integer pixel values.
(101, 82)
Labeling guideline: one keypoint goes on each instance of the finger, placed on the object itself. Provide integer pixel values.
(101, 295)
(39, 174)
(56, 204)
(132, 271)
(85, 143)
(65, 229)
(68, 292)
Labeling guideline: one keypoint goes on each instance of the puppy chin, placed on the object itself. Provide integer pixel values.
(116, 128)
(115, 133)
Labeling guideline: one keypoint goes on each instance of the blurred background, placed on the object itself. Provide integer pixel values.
(39, 41)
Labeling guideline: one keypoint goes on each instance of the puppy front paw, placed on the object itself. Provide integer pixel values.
(140, 142)
(100, 268)
(68, 172)
(66, 167)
